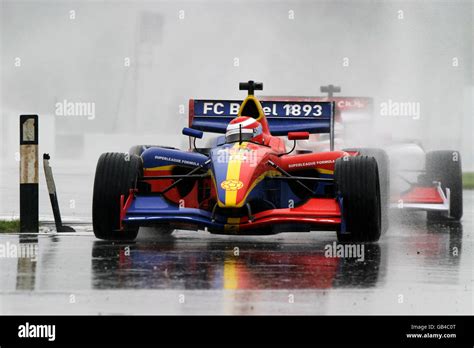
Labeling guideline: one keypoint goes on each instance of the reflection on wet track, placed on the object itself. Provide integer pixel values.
(177, 263)
(415, 268)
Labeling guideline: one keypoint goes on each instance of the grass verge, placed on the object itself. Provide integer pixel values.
(468, 180)
(9, 226)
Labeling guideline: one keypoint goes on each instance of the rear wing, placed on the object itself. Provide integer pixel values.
(282, 115)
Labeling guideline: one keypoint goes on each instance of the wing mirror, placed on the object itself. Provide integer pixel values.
(298, 135)
(193, 133)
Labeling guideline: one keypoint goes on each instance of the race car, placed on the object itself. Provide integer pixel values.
(246, 182)
(420, 180)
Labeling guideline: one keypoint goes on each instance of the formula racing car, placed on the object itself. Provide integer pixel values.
(246, 181)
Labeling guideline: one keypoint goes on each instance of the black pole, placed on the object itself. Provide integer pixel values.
(330, 90)
(53, 196)
(29, 202)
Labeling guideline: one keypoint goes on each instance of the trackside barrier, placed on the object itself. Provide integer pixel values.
(29, 202)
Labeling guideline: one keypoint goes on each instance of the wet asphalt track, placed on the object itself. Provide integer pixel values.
(414, 269)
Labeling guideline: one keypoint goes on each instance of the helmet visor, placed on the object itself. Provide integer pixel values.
(234, 135)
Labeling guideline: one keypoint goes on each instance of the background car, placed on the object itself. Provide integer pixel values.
(411, 178)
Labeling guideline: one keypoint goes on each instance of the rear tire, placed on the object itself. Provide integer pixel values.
(115, 175)
(445, 167)
(383, 164)
(357, 181)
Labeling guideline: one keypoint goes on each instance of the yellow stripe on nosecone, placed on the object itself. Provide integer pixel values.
(233, 173)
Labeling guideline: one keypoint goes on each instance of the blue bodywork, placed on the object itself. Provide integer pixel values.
(159, 157)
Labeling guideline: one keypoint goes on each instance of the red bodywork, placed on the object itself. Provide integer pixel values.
(428, 195)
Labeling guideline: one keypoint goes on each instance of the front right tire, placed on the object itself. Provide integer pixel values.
(357, 182)
(115, 175)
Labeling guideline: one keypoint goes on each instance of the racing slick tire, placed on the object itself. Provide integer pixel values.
(383, 164)
(115, 175)
(357, 181)
(445, 167)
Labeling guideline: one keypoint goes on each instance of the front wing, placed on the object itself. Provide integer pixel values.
(431, 198)
(315, 214)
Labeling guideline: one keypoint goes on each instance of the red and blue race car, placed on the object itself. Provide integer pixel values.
(246, 182)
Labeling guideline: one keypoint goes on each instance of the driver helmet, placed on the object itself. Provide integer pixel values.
(249, 128)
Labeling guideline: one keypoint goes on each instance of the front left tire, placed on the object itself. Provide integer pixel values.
(383, 164)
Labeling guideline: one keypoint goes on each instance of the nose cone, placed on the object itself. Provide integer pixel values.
(234, 170)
